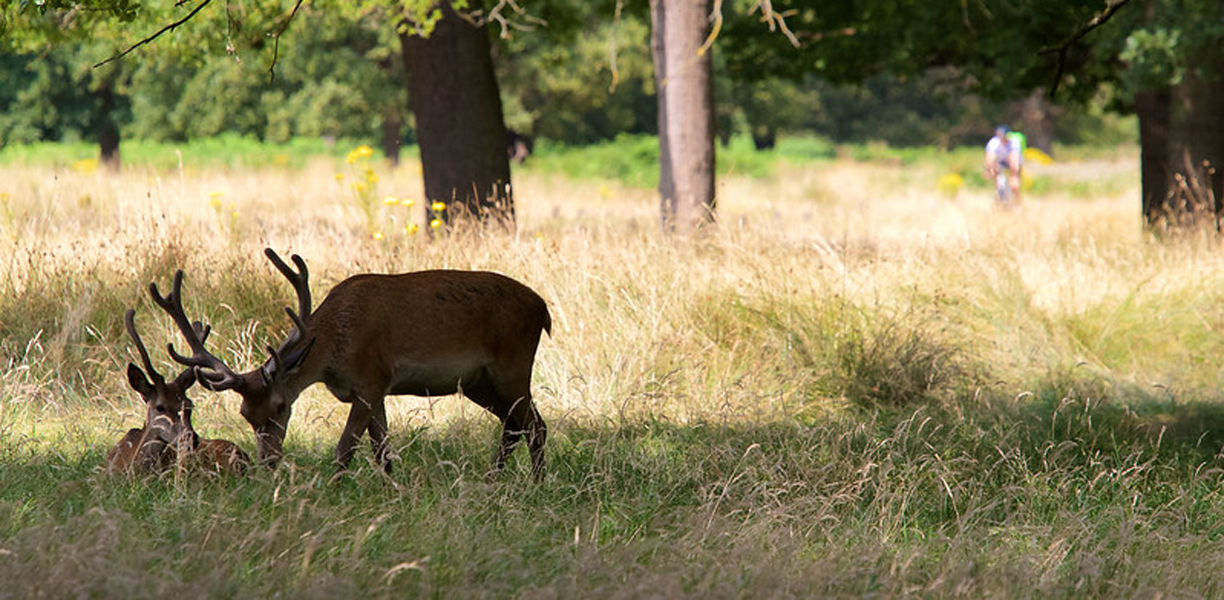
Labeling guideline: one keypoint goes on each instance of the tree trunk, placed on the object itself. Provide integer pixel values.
(1198, 142)
(685, 87)
(107, 130)
(1181, 134)
(452, 91)
(1152, 108)
(393, 122)
(1036, 121)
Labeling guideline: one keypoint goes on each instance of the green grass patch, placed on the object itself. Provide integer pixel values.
(873, 505)
(230, 151)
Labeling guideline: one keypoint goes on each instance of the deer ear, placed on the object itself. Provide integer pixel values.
(138, 381)
(294, 359)
(186, 379)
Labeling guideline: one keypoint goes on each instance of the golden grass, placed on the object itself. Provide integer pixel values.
(637, 313)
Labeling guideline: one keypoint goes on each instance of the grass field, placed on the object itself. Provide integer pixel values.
(865, 382)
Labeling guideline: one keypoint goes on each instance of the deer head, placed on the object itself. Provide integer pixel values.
(167, 410)
(267, 397)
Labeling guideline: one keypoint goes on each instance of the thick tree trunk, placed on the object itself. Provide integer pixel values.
(685, 86)
(1152, 108)
(1198, 142)
(1181, 134)
(452, 91)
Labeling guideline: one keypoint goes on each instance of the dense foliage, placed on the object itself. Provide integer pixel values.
(583, 74)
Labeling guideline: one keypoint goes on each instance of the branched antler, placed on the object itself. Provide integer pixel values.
(300, 280)
(215, 374)
(129, 320)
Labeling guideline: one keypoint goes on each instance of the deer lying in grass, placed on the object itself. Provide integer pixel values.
(428, 333)
(168, 438)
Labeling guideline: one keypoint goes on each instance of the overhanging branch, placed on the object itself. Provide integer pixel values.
(166, 29)
(276, 44)
(1111, 7)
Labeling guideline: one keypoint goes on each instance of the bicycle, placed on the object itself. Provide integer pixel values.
(1003, 190)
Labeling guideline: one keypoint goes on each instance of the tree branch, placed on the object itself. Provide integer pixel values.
(167, 28)
(1111, 7)
(276, 43)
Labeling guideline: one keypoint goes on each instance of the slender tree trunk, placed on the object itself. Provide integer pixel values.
(1037, 117)
(107, 129)
(393, 122)
(452, 91)
(685, 86)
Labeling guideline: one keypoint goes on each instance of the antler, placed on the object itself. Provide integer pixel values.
(300, 280)
(129, 320)
(218, 376)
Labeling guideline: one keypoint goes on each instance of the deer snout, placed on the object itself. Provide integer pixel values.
(164, 428)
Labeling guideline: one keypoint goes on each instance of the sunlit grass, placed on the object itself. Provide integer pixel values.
(857, 384)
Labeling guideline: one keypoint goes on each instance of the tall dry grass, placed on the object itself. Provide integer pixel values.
(853, 385)
(757, 316)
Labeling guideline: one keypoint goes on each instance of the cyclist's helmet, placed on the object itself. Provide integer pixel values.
(1002, 130)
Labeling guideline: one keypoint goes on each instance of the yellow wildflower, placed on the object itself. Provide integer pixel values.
(1037, 156)
(951, 184)
(359, 153)
(436, 223)
(390, 201)
(411, 229)
(88, 165)
(378, 235)
(438, 207)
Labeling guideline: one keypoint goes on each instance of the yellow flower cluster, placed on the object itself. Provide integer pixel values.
(951, 184)
(438, 209)
(359, 153)
(1035, 155)
(88, 165)
(410, 229)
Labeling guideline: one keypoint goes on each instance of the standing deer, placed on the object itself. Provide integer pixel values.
(167, 437)
(428, 333)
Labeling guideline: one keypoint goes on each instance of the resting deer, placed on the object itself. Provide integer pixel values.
(167, 437)
(428, 333)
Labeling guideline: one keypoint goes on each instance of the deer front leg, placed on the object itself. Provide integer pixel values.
(354, 428)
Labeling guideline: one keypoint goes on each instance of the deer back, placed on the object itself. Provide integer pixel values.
(426, 330)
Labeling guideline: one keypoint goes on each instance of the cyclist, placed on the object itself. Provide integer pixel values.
(1004, 158)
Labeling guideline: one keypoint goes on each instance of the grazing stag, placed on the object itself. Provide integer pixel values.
(167, 437)
(427, 333)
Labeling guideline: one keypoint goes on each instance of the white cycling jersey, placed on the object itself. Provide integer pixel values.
(1002, 149)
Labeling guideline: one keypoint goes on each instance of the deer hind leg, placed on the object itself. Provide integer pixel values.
(519, 417)
(529, 420)
(378, 433)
